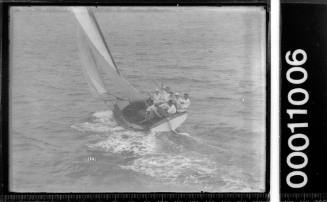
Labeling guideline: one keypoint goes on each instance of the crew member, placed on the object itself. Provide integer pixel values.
(172, 109)
(151, 111)
(185, 102)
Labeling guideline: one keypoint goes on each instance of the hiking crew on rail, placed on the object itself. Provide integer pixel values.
(164, 103)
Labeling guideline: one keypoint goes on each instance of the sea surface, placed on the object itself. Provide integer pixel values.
(63, 139)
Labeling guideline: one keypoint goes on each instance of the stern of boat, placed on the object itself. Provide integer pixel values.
(170, 123)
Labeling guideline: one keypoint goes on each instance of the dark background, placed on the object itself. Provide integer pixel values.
(304, 26)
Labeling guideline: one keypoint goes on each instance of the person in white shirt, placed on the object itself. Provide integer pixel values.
(172, 109)
(167, 109)
(185, 102)
(151, 111)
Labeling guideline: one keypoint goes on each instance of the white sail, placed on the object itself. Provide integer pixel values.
(97, 59)
(91, 74)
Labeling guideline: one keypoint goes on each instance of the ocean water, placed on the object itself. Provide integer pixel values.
(63, 139)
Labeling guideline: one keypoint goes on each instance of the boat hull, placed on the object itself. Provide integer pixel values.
(170, 124)
(167, 124)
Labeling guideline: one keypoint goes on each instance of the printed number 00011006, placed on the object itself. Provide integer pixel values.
(297, 97)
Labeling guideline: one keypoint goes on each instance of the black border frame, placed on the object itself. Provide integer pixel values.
(6, 195)
(308, 193)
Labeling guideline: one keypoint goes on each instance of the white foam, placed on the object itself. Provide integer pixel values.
(102, 121)
(175, 168)
(103, 114)
(118, 139)
(127, 142)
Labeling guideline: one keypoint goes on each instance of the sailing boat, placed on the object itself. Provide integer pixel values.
(128, 103)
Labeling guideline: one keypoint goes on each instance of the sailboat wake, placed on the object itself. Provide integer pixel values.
(116, 139)
(174, 167)
(162, 156)
(102, 121)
